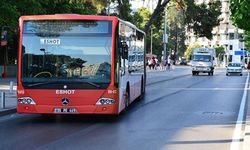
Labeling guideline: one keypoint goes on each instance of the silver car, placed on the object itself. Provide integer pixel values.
(234, 68)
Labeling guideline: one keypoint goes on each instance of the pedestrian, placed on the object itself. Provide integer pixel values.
(156, 63)
(162, 63)
(150, 62)
(153, 63)
(248, 66)
(169, 63)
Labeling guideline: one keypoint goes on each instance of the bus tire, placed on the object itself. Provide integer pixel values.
(127, 99)
(142, 89)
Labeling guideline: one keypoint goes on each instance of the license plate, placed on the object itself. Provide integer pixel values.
(65, 110)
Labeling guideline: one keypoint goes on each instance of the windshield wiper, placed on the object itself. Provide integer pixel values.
(63, 82)
(92, 83)
(42, 83)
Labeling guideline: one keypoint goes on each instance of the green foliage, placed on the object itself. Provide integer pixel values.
(9, 14)
(240, 13)
(246, 39)
(188, 52)
(11, 10)
(220, 50)
(124, 8)
(175, 18)
(203, 18)
(141, 17)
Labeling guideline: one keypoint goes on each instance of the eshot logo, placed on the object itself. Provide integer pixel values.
(50, 41)
(65, 92)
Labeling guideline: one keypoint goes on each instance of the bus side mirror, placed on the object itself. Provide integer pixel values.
(124, 50)
(190, 57)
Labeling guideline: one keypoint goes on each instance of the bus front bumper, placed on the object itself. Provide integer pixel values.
(202, 69)
(47, 109)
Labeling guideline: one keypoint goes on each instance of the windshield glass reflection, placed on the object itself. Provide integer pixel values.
(205, 58)
(67, 56)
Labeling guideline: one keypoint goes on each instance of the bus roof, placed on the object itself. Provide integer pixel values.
(68, 16)
(76, 17)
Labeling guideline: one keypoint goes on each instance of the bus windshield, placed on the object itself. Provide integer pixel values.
(73, 52)
(205, 58)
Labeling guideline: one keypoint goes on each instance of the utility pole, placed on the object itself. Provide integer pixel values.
(151, 42)
(108, 9)
(165, 37)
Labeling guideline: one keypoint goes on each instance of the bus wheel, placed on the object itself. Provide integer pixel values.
(142, 89)
(127, 99)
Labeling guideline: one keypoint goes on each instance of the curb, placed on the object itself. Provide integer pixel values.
(8, 111)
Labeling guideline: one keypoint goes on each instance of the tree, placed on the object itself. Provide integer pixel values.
(240, 13)
(9, 14)
(125, 12)
(175, 17)
(220, 51)
(124, 9)
(141, 17)
(188, 52)
(246, 39)
(159, 11)
(11, 10)
(203, 18)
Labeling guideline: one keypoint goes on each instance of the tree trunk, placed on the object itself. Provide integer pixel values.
(158, 10)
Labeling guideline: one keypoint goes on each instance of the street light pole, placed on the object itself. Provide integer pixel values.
(108, 9)
(151, 42)
(165, 36)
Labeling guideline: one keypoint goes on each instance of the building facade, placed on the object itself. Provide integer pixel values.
(225, 34)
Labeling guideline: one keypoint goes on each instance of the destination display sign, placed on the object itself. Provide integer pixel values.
(47, 27)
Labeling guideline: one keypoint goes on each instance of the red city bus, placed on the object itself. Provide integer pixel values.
(79, 64)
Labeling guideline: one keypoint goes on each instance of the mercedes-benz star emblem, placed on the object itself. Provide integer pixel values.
(65, 101)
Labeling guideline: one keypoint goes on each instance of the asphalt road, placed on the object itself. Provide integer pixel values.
(186, 113)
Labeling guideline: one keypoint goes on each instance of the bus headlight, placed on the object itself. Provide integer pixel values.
(105, 101)
(26, 100)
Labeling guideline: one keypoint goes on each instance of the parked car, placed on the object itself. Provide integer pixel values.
(183, 61)
(234, 68)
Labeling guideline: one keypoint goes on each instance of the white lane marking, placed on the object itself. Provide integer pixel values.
(235, 145)
(209, 89)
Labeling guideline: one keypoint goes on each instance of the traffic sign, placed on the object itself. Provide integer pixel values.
(241, 53)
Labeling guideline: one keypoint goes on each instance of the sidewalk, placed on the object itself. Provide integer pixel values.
(10, 97)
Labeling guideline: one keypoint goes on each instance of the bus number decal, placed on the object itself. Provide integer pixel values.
(111, 91)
